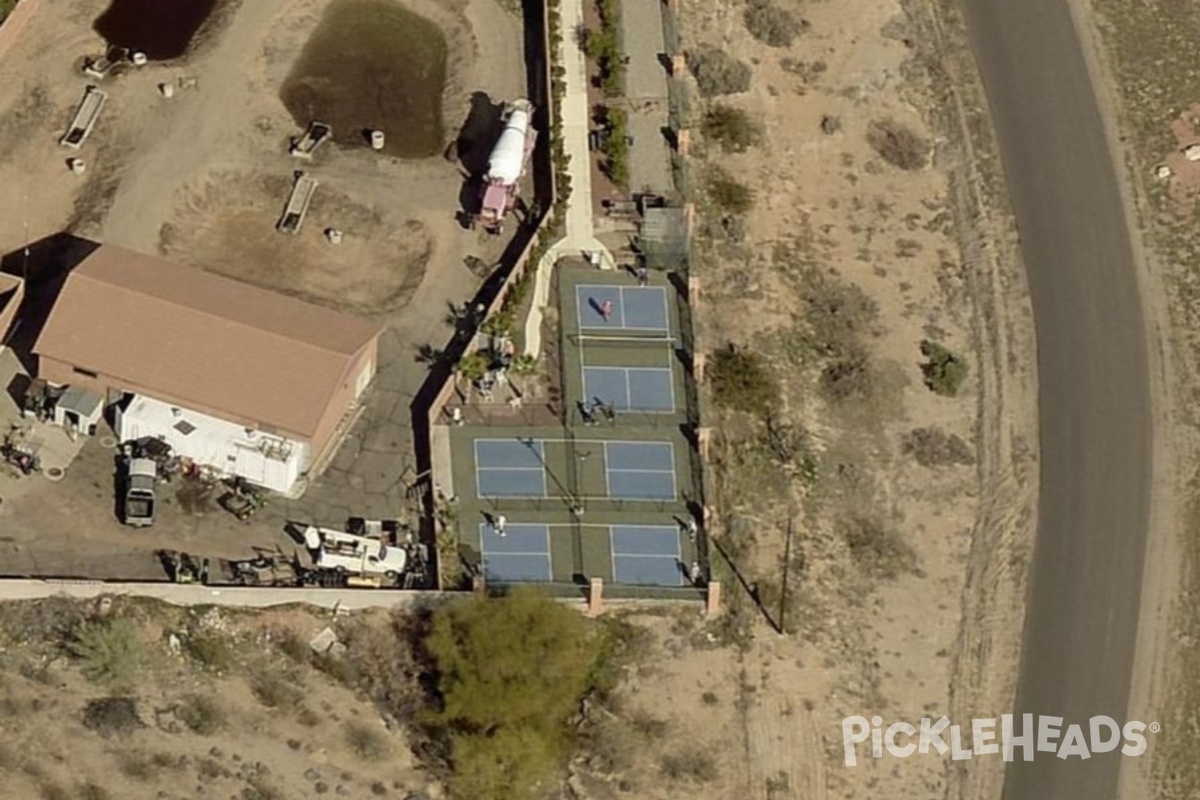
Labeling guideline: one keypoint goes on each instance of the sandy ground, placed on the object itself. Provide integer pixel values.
(202, 178)
(936, 257)
(293, 742)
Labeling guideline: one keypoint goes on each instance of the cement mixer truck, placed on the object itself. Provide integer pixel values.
(506, 165)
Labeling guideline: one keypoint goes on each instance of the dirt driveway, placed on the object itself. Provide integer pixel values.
(201, 178)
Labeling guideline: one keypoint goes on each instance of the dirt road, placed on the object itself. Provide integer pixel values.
(1094, 399)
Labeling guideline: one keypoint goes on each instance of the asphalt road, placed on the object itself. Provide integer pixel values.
(1093, 384)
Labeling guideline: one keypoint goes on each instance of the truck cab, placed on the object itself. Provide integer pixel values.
(139, 492)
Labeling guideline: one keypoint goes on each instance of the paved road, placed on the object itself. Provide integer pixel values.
(1092, 368)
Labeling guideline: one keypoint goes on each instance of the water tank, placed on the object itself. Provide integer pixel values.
(508, 156)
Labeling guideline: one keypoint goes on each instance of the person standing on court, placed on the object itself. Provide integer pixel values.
(606, 309)
(501, 525)
(643, 275)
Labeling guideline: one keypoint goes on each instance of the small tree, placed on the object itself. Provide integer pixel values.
(732, 128)
(110, 651)
(511, 672)
(944, 371)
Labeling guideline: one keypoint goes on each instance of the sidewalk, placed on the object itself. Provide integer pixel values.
(580, 236)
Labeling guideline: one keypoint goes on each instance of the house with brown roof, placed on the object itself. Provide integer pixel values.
(242, 380)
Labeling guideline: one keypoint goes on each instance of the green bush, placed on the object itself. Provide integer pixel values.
(111, 652)
(717, 73)
(616, 146)
(511, 671)
(728, 194)
(473, 366)
(732, 128)
(742, 380)
(603, 46)
(771, 24)
(944, 371)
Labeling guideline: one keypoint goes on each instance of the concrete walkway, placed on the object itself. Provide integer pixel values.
(580, 236)
(198, 595)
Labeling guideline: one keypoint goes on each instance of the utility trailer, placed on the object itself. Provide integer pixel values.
(297, 204)
(316, 135)
(85, 117)
(349, 554)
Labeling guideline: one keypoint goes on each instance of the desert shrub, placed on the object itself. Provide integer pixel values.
(898, 144)
(944, 371)
(54, 791)
(771, 24)
(112, 715)
(292, 645)
(732, 128)
(849, 375)
(341, 669)
(272, 690)
(878, 551)
(689, 765)
(201, 714)
(383, 663)
(742, 380)
(143, 767)
(933, 447)
(110, 651)
(91, 791)
(838, 315)
(366, 742)
(717, 73)
(648, 726)
(792, 448)
(728, 194)
(210, 650)
(510, 671)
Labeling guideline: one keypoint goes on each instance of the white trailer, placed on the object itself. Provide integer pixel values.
(353, 555)
(85, 117)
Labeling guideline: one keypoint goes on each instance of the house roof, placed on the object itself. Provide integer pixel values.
(210, 343)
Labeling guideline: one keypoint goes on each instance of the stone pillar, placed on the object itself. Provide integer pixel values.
(595, 601)
(704, 442)
(712, 601)
(699, 362)
(693, 291)
(683, 141)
